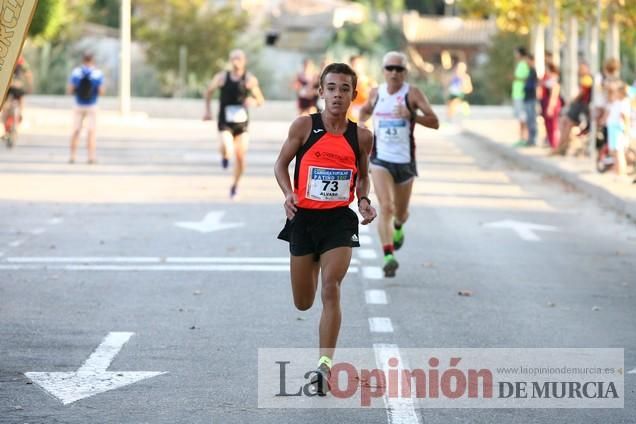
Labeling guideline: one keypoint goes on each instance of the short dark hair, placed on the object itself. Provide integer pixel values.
(87, 56)
(339, 68)
(522, 51)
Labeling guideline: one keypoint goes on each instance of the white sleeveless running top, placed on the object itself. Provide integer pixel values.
(393, 135)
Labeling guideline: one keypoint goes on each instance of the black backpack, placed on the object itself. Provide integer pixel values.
(85, 86)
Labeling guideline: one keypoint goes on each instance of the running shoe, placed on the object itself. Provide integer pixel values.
(321, 379)
(225, 163)
(398, 238)
(233, 192)
(390, 266)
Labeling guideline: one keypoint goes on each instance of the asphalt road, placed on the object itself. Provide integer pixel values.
(116, 247)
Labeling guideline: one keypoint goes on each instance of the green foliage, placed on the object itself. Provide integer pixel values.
(208, 35)
(426, 7)
(105, 12)
(47, 19)
(363, 37)
(492, 81)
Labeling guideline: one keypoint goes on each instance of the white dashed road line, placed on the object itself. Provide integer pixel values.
(16, 243)
(365, 240)
(367, 254)
(380, 325)
(398, 410)
(372, 272)
(375, 297)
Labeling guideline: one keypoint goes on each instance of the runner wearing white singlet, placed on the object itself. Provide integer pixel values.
(394, 106)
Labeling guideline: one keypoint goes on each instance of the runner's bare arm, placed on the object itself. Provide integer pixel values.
(298, 133)
(363, 185)
(214, 84)
(418, 100)
(367, 110)
(255, 91)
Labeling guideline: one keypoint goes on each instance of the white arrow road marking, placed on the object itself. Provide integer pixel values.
(525, 230)
(91, 378)
(211, 222)
(632, 371)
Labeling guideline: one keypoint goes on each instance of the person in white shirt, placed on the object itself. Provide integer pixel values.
(618, 112)
(394, 107)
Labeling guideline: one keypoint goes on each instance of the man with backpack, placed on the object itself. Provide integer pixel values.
(87, 84)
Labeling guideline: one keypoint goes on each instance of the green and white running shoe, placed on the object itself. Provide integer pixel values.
(390, 266)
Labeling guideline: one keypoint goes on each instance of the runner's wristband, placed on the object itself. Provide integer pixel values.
(364, 198)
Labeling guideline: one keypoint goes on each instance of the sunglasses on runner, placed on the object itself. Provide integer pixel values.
(396, 68)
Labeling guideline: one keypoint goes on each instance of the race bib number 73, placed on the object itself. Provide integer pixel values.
(328, 185)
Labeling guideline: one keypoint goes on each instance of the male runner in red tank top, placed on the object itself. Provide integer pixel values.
(332, 161)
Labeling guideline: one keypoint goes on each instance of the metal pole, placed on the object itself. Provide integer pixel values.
(595, 68)
(183, 70)
(124, 59)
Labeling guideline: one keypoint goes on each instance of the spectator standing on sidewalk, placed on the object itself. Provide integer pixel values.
(521, 72)
(459, 86)
(579, 107)
(87, 84)
(530, 102)
(551, 104)
(618, 122)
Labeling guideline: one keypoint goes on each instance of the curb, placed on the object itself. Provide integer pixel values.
(603, 195)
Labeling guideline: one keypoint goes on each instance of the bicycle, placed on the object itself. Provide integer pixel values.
(10, 120)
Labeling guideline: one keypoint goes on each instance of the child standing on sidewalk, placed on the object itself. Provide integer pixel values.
(618, 117)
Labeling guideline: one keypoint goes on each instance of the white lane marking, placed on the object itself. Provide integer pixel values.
(37, 231)
(367, 254)
(365, 240)
(632, 371)
(91, 378)
(372, 272)
(364, 229)
(82, 259)
(16, 243)
(525, 230)
(54, 221)
(375, 297)
(218, 267)
(211, 222)
(380, 325)
(247, 260)
(152, 259)
(398, 410)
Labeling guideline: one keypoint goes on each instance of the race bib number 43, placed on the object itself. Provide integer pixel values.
(393, 130)
(328, 185)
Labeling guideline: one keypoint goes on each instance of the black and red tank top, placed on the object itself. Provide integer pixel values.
(327, 167)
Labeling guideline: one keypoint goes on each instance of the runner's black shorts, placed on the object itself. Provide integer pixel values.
(235, 128)
(401, 172)
(16, 93)
(315, 231)
(576, 110)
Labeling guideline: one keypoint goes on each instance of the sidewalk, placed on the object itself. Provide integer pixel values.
(500, 134)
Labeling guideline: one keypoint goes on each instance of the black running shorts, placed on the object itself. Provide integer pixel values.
(315, 231)
(401, 172)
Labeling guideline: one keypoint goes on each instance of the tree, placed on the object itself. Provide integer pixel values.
(207, 34)
(47, 19)
(105, 12)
